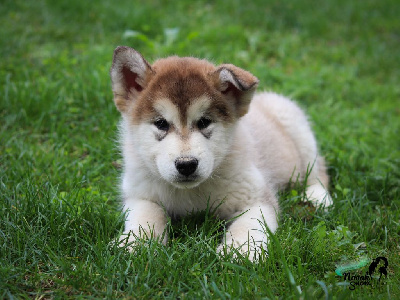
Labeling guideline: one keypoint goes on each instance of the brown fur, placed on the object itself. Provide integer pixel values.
(182, 80)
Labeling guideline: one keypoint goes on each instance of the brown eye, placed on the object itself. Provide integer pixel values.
(161, 124)
(203, 123)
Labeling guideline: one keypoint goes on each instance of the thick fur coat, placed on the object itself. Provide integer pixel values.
(195, 135)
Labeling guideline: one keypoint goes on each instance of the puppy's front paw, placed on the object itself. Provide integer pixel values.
(130, 239)
(248, 249)
(319, 196)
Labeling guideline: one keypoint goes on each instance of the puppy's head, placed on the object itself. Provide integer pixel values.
(180, 112)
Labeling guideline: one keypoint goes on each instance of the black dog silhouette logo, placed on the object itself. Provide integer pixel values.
(382, 270)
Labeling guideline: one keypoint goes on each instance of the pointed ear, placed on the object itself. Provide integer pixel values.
(129, 74)
(236, 84)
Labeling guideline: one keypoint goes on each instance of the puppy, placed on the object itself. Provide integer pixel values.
(194, 135)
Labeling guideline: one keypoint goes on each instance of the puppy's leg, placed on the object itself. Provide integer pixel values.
(247, 233)
(294, 121)
(317, 184)
(144, 220)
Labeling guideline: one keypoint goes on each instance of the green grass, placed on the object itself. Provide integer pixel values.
(59, 162)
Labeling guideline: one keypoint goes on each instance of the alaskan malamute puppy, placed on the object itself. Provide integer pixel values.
(194, 134)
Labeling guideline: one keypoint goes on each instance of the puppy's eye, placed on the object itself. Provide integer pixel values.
(203, 123)
(161, 124)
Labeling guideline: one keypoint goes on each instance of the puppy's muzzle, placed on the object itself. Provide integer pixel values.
(186, 166)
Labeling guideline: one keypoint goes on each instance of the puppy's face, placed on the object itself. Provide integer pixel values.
(183, 149)
(180, 112)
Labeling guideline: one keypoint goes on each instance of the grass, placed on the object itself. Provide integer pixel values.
(59, 164)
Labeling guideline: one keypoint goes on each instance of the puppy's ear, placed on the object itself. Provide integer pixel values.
(237, 84)
(129, 75)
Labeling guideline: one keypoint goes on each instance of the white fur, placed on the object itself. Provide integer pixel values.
(241, 167)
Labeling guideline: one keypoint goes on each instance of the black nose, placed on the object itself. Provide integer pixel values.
(186, 165)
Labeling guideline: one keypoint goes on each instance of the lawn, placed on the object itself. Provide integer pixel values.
(59, 160)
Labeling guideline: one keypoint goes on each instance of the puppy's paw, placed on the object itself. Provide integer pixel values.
(249, 249)
(318, 195)
(131, 239)
(128, 240)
